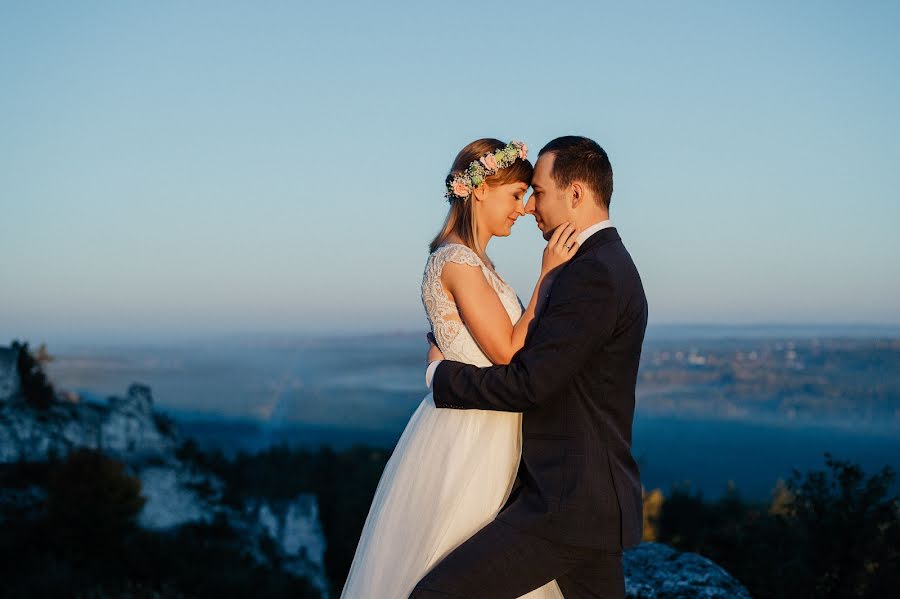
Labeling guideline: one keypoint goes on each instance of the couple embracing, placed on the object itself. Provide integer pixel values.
(514, 477)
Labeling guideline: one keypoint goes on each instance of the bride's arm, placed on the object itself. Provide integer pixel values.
(483, 312)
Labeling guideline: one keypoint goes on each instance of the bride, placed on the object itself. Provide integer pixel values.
(453, 470)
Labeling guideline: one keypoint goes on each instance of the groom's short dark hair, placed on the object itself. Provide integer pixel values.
(581, 159)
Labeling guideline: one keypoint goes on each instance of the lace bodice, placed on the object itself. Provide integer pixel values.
(454, 339)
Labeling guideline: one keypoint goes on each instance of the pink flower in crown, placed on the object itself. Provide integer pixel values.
(523, 151)
(460, 188)
(489, 162)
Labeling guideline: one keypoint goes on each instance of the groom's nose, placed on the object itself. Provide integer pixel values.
(529, 206)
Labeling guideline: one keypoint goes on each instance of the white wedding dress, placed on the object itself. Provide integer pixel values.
(451, 471)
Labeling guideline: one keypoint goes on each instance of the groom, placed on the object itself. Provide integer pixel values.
(577, 502)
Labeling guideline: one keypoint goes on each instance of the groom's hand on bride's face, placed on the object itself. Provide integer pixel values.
(434, 352)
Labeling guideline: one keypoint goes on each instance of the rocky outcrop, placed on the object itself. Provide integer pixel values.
(127, 428)
(173, 497)
(124, 427)
(657, 571)
(177, 495)
(294, 525)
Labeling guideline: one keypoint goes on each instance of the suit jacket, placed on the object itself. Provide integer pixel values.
(574, 380)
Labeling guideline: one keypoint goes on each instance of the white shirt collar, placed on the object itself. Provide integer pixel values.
(603, 224)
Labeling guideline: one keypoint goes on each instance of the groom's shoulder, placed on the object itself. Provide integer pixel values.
(607, 259)
(584, 270)
(608, 248)
(600, 255)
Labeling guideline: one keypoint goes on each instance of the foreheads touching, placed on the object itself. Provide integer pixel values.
(575, 160)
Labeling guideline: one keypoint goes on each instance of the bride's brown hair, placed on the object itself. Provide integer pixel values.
(461, 217)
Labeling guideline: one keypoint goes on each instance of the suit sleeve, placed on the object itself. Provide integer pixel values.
(580, 315)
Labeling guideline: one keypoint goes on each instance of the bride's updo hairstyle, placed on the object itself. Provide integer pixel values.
(461, 217)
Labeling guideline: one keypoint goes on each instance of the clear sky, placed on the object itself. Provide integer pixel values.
(172, 169)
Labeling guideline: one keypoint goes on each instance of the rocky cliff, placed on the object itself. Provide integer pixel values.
(128, 429)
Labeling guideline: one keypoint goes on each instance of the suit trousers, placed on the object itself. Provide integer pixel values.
(503, 562)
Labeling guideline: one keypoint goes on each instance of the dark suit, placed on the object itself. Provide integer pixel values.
(578, 499)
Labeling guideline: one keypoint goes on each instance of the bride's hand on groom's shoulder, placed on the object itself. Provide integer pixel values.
(560, 249)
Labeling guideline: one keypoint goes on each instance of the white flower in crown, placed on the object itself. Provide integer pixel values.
(463, 183)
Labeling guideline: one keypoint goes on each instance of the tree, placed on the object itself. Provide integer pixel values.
(36, 387)
(850, 528)
(827, 534)
(92, 501)
(653, 502)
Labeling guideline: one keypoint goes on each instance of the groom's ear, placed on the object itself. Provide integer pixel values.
(576, 192)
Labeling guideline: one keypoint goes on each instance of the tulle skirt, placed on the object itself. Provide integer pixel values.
(449, 475)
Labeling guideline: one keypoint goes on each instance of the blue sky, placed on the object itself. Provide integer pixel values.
(193, 168)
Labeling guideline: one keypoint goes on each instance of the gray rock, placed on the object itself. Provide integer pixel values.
(657, 571)
(295, 528)
(170, 491)
(124, 427)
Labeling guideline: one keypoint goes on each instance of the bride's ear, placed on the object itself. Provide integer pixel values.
(478, 192)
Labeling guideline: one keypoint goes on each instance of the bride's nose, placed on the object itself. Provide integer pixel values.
(520, 208)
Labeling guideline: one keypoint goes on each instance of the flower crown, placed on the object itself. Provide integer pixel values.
(463, 183)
